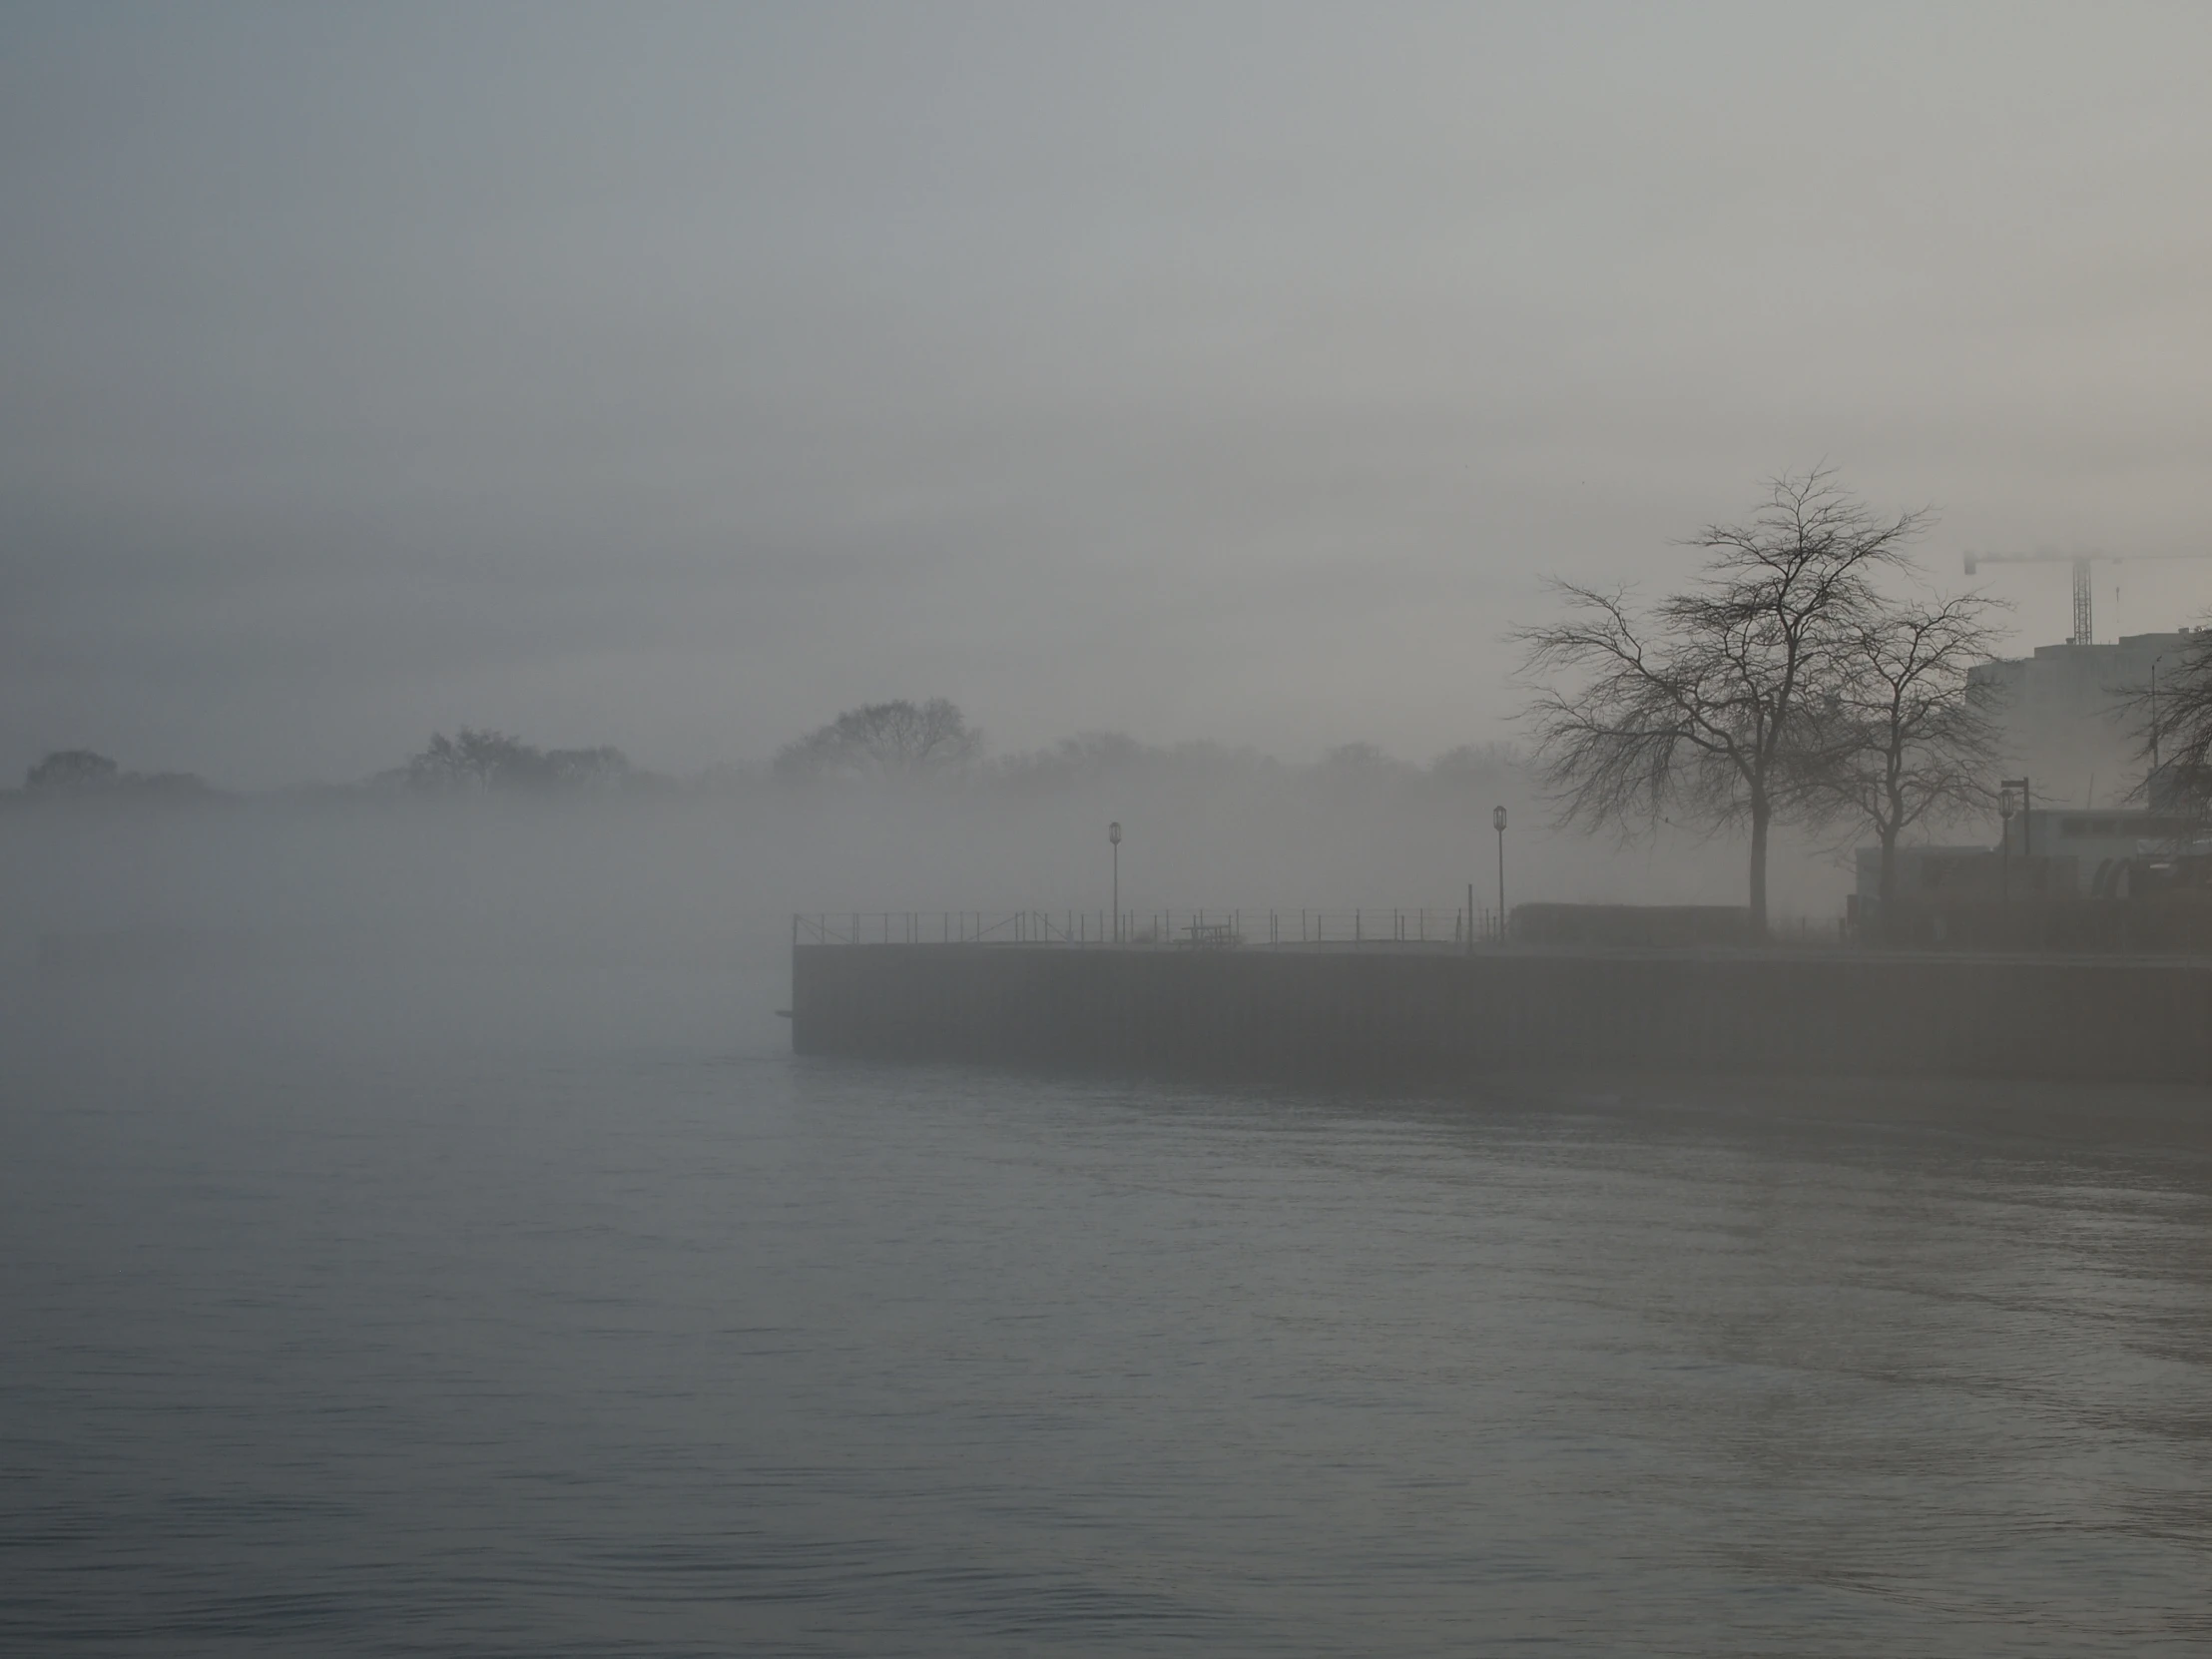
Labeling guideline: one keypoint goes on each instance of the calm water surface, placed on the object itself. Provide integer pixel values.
(458, 1312)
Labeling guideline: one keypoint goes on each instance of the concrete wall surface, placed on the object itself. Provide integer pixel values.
(1413, 1017)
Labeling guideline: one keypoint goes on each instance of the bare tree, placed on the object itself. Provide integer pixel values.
(885, 741)
(2176, 717)
(1694, 707)
(1900, 734)
(473, 760)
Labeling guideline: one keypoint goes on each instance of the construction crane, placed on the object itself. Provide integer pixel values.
(2084, 632)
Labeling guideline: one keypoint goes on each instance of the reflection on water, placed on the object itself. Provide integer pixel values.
(574, 1317)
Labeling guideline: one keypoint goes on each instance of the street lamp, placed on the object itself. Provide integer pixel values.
(2004, 850)
(1113, 836)
(2027, 801)
(2154, 662)
(1497, 823)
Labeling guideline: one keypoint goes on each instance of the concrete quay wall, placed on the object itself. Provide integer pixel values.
(1395, 1019)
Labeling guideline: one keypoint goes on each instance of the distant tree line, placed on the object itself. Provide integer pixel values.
(81, 772)
(905, 743)
(892, 745)
(471, 761)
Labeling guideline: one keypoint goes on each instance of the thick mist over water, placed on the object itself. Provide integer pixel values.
(533, 1308)
(694, 874)
(428, 1225)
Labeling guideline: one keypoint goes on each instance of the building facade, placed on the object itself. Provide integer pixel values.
(2072, 717)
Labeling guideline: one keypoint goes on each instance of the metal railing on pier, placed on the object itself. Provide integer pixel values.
(1361, 927)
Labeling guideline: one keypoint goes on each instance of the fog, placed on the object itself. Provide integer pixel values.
(1231, 375)
(710, 872)
(462, 466)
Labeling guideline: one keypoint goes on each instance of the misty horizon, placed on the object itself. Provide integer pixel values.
(1231, 375)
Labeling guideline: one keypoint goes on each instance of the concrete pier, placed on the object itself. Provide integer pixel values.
(1430, 1017)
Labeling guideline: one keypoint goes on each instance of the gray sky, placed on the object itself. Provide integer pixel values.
(674, 376)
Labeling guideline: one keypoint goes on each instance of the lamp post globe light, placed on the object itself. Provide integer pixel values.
(1113, 837)
(1497, 823)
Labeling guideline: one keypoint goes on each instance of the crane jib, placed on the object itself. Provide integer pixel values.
(2084, 629)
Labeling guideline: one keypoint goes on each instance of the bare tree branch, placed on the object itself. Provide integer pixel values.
(1691, 709)
(884, 741)
(1901, 735)
(2176, 717)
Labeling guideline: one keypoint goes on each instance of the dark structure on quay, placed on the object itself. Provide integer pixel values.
(1432, 1017)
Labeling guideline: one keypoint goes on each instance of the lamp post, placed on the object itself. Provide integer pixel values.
(2004, 852)
(1497, 823)
(2154, 662)
(2027, 801)
(1113, 836)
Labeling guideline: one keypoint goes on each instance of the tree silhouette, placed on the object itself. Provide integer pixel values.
(1696, 708)
(2176, 717)
(1902, 734)
(72, 769)
(897, 741)
(473, 760)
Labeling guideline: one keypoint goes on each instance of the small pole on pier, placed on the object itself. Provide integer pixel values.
(1471, 918)
(1497, 823)
(1113, 836)
(2004, 861)
(2028, 805)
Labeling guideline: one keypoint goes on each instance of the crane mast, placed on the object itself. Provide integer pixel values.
(2084, 622)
